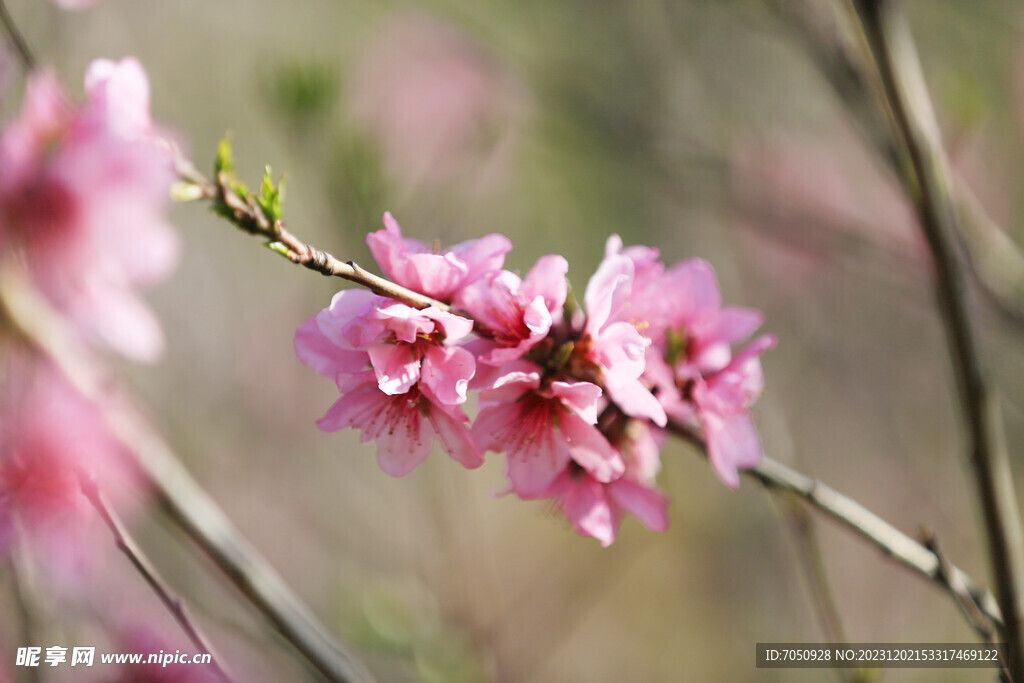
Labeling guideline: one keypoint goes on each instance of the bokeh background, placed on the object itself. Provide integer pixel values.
(702, 128)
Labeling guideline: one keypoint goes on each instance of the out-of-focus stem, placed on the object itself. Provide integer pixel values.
(830, 37)
(127, 545)
(25, 313)
(930, 187)
(19, 42)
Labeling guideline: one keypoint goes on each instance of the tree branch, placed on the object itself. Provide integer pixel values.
(29, 315)
(830, 38)
(18, 40)
(930, 185)
(246, 215)
(127, 545)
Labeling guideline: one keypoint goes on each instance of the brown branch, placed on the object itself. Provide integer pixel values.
(929, 185)
(127, 545)
(246, 215)
(29, 315)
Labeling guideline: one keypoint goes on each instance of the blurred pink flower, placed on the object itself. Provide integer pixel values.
(513, 315)
(412, 264)
(74, 4)
(51, 438)
(434, 100)
(82, 202)
(723, 402)
(542, 428)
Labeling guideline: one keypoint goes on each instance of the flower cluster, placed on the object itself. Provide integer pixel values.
(579, 402)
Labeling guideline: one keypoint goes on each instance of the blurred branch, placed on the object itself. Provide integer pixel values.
(798, 522)
(930, 186)
(19, 42)
(30, 316)
(247, 215)
(24, 611)
(127, 545)
(839, 52)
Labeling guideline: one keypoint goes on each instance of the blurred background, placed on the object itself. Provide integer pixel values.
(701, 128)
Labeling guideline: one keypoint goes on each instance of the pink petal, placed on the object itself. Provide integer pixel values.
(547, 279)
(454, 436)
(126, 324)
(455, 327)
(406, 322)
(733, 445)
(612, 275)
(587, 507)
(635, 399)
(447, 371)
(322, 355)
(580, 397)
(648, 505)
(590, 449)
(345, 321)
(482, 255)
(396, 366)
(401, 449)
(735, 324)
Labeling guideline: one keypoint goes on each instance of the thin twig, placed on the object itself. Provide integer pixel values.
(826, 33)
(978, 620)
(127, 545)
(247, 216)
(797, 520)
(783, 480)
(892, 542)
(185, 501)
(929, 185)
(20, 44)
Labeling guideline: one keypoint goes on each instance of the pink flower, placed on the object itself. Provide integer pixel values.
(399, 385)
(404, 345)
(614, 345)
(723, 402)
(52, 438)
(690, 363)
(82, 200)
(404, 425)
(542, 428)
(513, 315)
(412, 264)
(596, 509)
